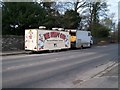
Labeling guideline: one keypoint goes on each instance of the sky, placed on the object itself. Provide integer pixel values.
(113, 7)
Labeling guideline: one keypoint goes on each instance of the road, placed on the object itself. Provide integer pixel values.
(66, 69)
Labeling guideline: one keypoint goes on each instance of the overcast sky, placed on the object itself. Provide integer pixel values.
(113, 8)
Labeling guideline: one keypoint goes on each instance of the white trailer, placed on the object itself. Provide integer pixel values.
(83, 39)
(39, 40)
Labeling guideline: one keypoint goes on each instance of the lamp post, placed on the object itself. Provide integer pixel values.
(113, 31)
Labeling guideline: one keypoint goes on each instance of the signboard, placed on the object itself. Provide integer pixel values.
(51, 40)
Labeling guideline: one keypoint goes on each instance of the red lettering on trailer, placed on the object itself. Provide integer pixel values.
(47, 35)
(55, 34)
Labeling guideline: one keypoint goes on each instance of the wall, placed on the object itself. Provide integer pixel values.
(12, 43)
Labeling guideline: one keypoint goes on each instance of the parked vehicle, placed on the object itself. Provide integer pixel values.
(56, 39)
(84, 38)
(80, 38)
(41, 39)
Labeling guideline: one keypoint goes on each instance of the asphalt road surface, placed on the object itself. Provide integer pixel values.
(65, 69)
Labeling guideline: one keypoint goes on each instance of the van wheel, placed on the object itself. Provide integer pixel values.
(81, 46)
(90, 45)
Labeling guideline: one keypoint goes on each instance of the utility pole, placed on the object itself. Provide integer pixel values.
(118, 22)
(119, 11)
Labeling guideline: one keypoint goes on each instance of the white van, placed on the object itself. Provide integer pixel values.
(83, 38)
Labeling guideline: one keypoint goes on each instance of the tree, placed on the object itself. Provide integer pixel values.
(71, 5)
(71, 19)
(96, 10)
(100, 31)
(18, 16)
(52, 17)
(79, 4)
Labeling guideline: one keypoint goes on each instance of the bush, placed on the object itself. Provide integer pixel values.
(100, 31)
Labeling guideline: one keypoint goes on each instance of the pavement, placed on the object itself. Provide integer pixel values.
(7, 53)
(108, 78)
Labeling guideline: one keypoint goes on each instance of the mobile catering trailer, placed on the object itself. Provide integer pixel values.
(41, 39)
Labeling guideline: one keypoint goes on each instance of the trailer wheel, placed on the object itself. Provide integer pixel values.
(57, 50)
(50, 51)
